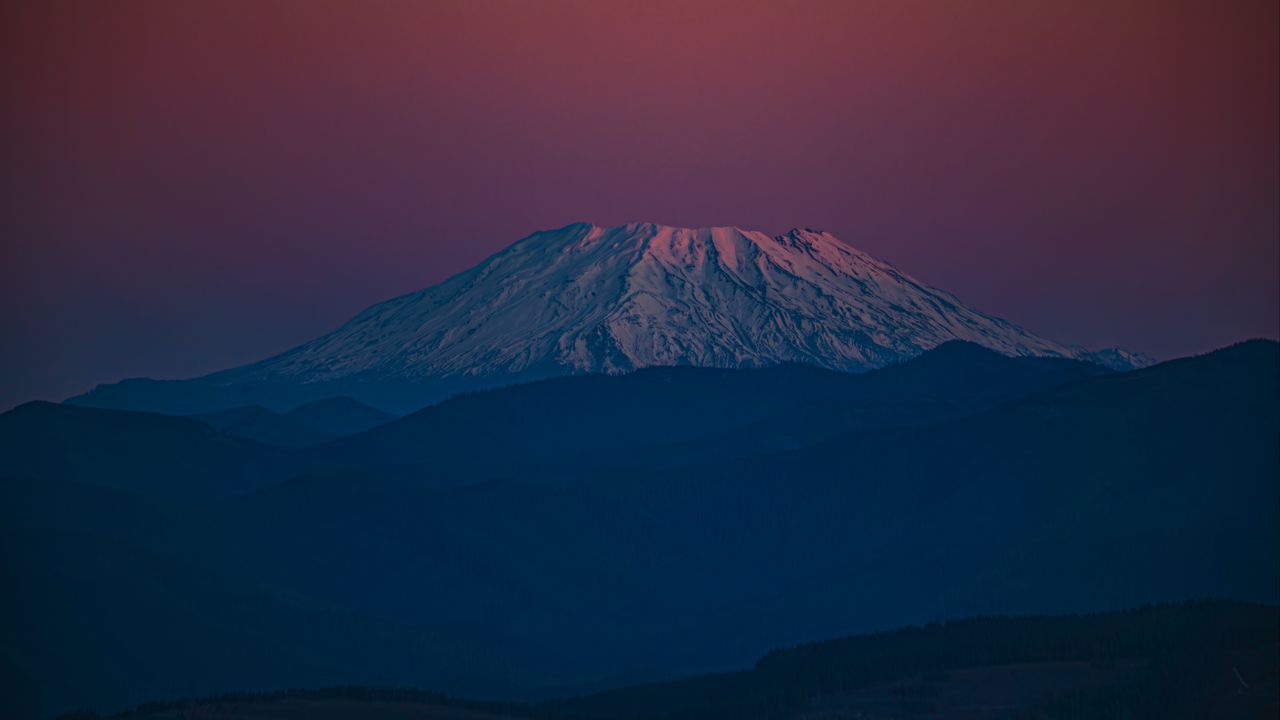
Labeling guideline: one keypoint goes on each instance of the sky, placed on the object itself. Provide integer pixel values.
(191, 186)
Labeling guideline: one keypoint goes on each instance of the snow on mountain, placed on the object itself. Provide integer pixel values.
(585, 298)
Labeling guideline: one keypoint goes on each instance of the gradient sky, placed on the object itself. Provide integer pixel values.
(189, 186)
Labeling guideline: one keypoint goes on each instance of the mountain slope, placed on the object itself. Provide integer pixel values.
(585, 299)
(594, 299)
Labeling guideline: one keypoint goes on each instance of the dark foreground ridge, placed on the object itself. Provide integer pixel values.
(579, 534)
(1193, 660)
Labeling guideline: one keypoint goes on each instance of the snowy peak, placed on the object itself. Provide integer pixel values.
(586, 298)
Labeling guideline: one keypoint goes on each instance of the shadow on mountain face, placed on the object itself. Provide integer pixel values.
(641, 526)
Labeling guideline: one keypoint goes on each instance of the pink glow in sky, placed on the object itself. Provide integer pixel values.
(188, 186)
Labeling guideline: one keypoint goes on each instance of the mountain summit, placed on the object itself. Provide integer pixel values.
(584, 299)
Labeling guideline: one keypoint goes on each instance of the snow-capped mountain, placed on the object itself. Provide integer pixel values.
(585, 298)
(592, 299)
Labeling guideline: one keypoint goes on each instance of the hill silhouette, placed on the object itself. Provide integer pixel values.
(600, 531)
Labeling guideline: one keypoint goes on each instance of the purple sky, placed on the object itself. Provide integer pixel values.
(191, 186)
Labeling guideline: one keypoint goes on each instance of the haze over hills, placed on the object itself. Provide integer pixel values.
(590, 299)
(594, 531)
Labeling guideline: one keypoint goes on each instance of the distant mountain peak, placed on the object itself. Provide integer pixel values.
(589, 298)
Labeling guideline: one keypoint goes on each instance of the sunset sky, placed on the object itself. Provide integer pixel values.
(189, 186)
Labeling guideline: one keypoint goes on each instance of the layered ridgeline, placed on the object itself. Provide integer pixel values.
(588, 299)
(586, 532)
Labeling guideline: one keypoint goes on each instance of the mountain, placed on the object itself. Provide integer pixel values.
(589, 299)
